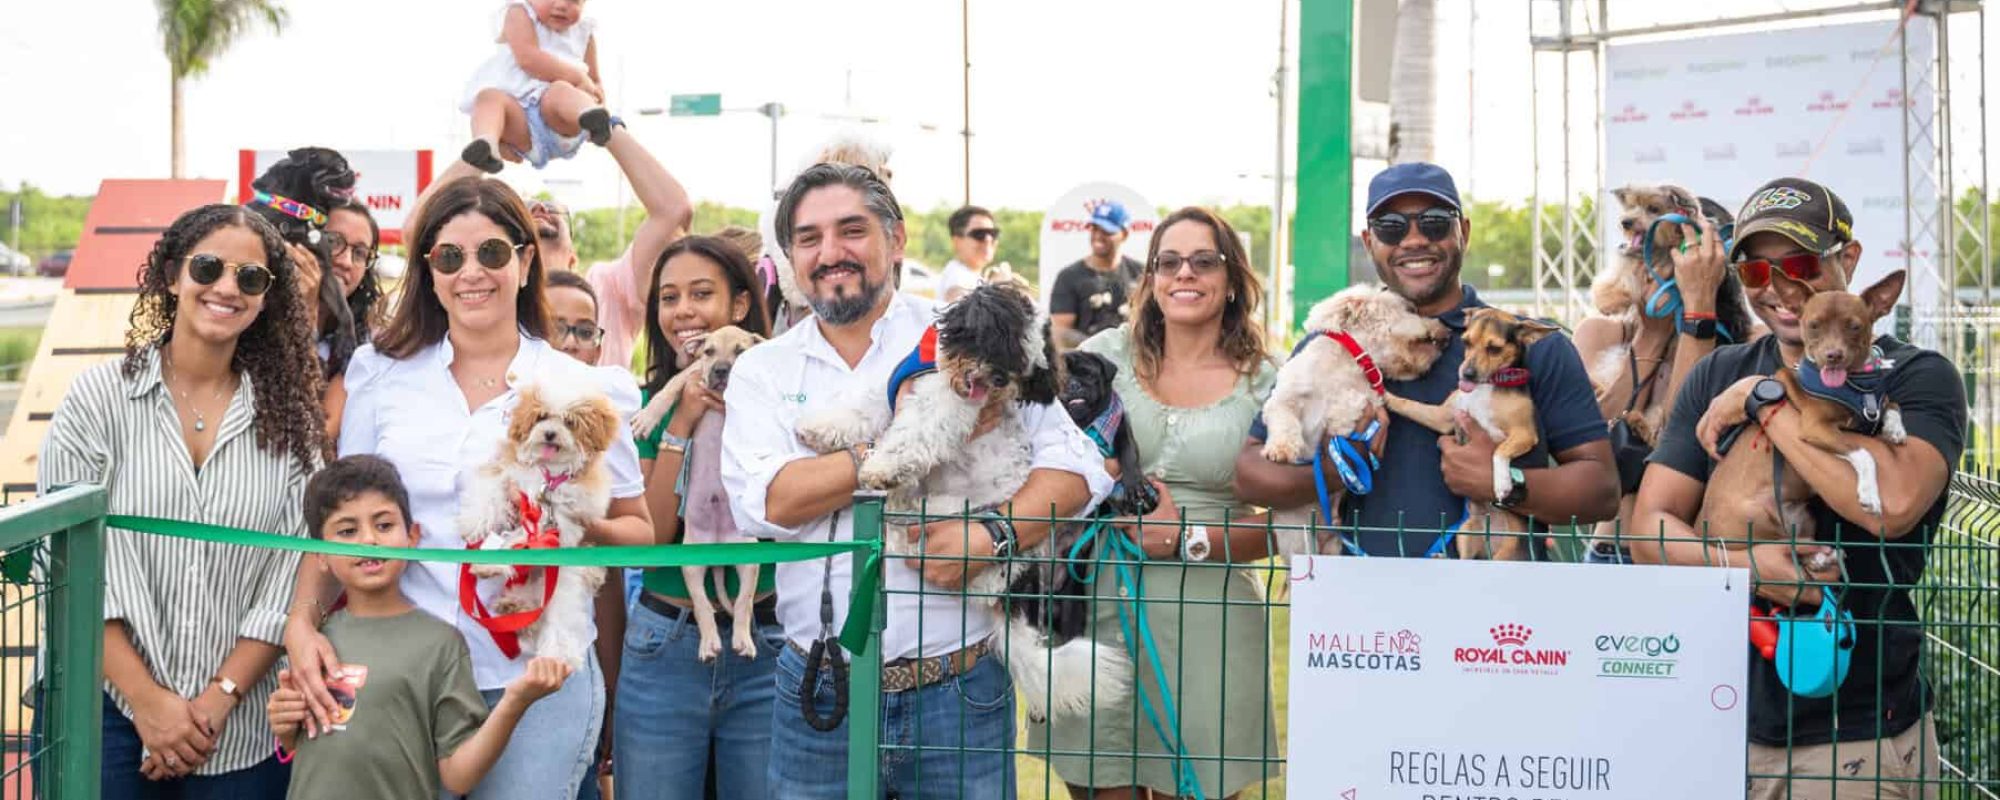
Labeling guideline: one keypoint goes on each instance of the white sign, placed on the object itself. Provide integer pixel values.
(1420, 679)
(388, 181)
(1066, 228)
(1722, 115)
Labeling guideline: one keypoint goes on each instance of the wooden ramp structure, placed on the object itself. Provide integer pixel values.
(90, 318)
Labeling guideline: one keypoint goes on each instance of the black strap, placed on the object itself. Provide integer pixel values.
(825, 654)
(1638, 386)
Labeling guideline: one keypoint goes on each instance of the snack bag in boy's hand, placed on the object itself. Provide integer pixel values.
(346, 690)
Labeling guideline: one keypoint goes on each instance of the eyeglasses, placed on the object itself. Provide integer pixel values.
(1435, 224)
(1205, 262)
(494, 253)
(357, 252)
(252, 279)
(584, 332)
(984, 234)
(1756, 273)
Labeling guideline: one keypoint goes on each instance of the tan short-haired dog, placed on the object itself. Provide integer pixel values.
(1493, 389)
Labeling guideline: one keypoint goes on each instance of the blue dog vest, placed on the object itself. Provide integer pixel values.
(1862, 393)
(920, 361)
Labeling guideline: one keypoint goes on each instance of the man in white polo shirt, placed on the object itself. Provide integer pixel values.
(943, 693)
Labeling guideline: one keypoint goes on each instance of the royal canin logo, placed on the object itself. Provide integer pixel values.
(1891, 99)
(1687, 111)
(1827, 102)
(1510, 654)
(1630, 114)
(1511, 634)
(1754, 107)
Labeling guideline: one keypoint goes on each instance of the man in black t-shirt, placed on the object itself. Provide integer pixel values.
(1090, 295)
(1875, 734)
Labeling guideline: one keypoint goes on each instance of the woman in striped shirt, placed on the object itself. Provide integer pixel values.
(212, 416)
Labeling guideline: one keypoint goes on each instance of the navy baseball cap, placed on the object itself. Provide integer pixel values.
(1110, 216)
(1415, 177)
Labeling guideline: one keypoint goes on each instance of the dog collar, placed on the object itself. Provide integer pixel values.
(1861, 394)
(289, 207)
(1510, 378)
(1361, 358)
(920, 361)
(552, 481)
(1105, 427)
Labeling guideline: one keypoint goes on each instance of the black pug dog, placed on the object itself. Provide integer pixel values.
(318, 179)
(1051, 598)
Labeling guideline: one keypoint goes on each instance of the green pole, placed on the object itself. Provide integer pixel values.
(1325, 218)
(864, 677)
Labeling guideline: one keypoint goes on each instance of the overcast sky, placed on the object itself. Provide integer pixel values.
(1171, 97)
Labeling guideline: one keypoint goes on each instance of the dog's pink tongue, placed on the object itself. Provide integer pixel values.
(548, 452)
(1466, 386)
(977, 394)
(1833, 377)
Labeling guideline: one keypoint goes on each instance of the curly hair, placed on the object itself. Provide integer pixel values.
(1242, 338)
(364, 301)
(275, 353)
(743, 280)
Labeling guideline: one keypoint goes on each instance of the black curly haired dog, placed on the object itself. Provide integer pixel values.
(295, 195)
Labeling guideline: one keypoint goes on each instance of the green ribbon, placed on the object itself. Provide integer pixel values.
(853, 634)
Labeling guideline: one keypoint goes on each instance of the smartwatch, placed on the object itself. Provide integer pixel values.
(1195, 543)
(1516, 495)
(1699, 328)
(1762, 395)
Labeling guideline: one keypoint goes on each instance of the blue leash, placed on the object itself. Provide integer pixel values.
(1131, 583)
(1665, 301)
(1356, 464)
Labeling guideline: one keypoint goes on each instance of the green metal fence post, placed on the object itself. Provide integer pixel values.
(76, 661)
(1322, 232)
(864, 677)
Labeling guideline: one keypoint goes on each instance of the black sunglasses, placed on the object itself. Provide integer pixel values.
(1435, 224)
(494, 253)
(252, 278)
(1205, 262)
(984, 234)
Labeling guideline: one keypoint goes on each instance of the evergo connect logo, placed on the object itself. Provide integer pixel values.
(1637, 656)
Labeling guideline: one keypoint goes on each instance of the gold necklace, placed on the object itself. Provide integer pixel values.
(200, 419)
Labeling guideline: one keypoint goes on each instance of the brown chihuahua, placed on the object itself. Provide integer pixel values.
(1493, 389)
(1839, 386)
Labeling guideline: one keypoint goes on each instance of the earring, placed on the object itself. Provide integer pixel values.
(1232, 297)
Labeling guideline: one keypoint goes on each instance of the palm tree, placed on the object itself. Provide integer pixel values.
(194, 32)
(1413, 83)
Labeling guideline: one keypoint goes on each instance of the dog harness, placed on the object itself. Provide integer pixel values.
(1862, 393)
(920, 361)
(289, 207)
(1665, 301)
(506, 628)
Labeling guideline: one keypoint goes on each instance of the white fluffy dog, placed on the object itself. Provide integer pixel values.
(1333, 385)
(548, 476)
(991, 351)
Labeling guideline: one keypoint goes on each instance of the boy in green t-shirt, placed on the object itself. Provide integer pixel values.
(410, 718)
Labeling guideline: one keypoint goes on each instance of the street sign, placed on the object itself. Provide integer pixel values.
(695, 105)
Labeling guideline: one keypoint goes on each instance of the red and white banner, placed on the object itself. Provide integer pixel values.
(1722, 115)
(388, 181)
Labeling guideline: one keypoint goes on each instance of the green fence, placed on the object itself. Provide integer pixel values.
(50, 544)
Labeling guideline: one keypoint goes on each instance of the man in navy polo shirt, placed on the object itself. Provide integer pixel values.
(1425, 480)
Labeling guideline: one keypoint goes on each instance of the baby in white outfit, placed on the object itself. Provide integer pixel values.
(538, 96)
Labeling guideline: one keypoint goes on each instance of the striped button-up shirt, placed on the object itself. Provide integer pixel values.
(185, 603)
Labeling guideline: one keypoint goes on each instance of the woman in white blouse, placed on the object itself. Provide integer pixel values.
(212, 416)
(432, 395)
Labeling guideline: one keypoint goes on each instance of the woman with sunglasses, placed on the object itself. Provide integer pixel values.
(212, 416)
(432, 394)
(1192, 373)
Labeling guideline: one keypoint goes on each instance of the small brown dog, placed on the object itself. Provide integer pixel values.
(1620, 289)
(1493, 389)
(1839, 355)
(705, 517)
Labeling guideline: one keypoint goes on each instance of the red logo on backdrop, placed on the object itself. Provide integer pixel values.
(1510, 654)
(1827, 102)
(1064, 225)
(1630, 114)
(1688, 111)
(1754, 107)
(1892, 99)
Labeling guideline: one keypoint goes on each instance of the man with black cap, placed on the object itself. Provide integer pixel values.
(1874, 733)
(1416, 237)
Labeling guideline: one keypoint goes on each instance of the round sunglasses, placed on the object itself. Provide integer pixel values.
(1756, 272)
(1435, 224)
(495, 253)
(252, 278)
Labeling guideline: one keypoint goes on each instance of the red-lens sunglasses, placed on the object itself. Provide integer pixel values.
(1756, 273)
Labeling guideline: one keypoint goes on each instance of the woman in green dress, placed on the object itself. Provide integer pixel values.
(1192, 373)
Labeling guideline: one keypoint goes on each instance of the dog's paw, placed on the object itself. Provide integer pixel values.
(1867, 487)
(711, 647)
(833, 431)
(1893, 431)
(1642, 428)
(509, 603)
(1284, 452)
(743, 643)
(880, 473)
(485, 571)
(1503, 478)
(646, 420)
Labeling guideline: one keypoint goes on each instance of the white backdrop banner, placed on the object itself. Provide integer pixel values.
(1421, 679)
(1066, 228)
(1722, 115)
(389, 181)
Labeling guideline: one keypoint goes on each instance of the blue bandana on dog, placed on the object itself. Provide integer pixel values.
(920, 361)
(1861, 394)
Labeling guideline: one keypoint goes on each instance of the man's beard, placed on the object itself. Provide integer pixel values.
(847, 309)
(1450, 262)
(547, 232)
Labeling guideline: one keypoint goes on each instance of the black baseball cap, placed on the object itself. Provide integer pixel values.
(1801, 210)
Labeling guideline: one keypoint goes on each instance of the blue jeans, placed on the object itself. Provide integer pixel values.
(674, 710)
(553, 745)
(951, 739)
(122, 781)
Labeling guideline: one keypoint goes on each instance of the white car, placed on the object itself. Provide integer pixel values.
(13, 262)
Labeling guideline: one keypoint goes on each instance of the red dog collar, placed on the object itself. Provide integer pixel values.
(1511, 377)
(1361, 358)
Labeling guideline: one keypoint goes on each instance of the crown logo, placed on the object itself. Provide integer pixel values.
(1511, 634)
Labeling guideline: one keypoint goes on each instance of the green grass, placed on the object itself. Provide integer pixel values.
(17, 348)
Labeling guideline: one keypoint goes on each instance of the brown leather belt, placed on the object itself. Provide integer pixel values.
(904, 674)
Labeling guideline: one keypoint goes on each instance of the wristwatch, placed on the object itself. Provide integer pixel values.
(1002, 533)
(1516, 495)
(1698, 327)
(1195, 544)
(227, 686)
(1762, 395)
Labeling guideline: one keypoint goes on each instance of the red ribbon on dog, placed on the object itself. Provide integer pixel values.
(1361, 358)
(506, 628)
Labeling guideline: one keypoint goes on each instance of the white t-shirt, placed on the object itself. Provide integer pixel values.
(412, 413)
(956, 275)
(770, 389)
